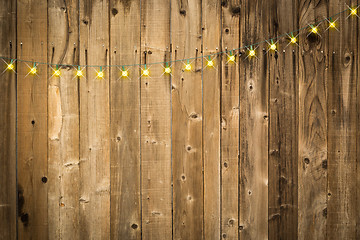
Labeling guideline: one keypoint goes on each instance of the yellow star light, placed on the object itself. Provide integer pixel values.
(100, 74)
(353, 11)
(33, 70)
(231, 58)
(188, 66)
(293, 39)
(124, 73)
(273, 47)
(252, 53)
(332, 25)
(210, 63)
(10, 66)
(167, 70)
(146, 72)
(57, 73)
(79, 73)
(314, 30)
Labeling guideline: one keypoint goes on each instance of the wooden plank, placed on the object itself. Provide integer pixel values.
(211, 23)
(342, 210)
(32, 120)
(230, 121)
(94, 163)
(358, 139)
(254, 87)
(283, 123)
(156, 122)
(125, 218)
(7, 122)
(187, 121)
(63, 121)
(312, 124)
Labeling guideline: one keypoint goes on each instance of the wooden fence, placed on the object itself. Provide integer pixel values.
(268, 148)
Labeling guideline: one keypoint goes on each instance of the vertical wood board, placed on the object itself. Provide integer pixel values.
(125, 215)
(155, 122)
(187, 121)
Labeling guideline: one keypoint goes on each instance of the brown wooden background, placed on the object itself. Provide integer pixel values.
(265, 149)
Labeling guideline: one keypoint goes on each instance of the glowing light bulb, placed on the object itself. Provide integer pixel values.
(273, 46)
(100, 74)
(314, 30)
(210, 63)
(353, 11)
(10, 66)
(33, 70)
(124, 73)
(188, 66)
(57, 73)
(332, 25)
(146, 72)
(167, 70)
(293, 39)
(252, 53)
(231, 58)
(79, 73)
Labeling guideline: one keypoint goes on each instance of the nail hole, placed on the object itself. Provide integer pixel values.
(44, 179)
(114, 11)
(183, 12)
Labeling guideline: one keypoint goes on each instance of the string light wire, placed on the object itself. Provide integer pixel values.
(353, 12)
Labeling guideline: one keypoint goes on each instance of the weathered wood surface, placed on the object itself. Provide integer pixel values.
(211, 80)
(230, 121)
(156, 190)
(94, 111)
(342, 100)
(254, 90)
(187, 121)
(63, 121)
(267, 148)
(283, 124)
(7, 123)
(32, 120)
(312, 171)
(125, 121)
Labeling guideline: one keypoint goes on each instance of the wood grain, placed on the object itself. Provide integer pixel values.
(254, 89)
(7, 123)
(63, 121)
(312, 172)
(32, 120)
(94, 121)
(264, 149)
(230, 121)
(187, 121)
(283, 123)
(156, 122)
(211, 23)
(342, 79)
(125, 121)
(358, 137)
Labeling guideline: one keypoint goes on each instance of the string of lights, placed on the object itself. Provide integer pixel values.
(231, 54)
